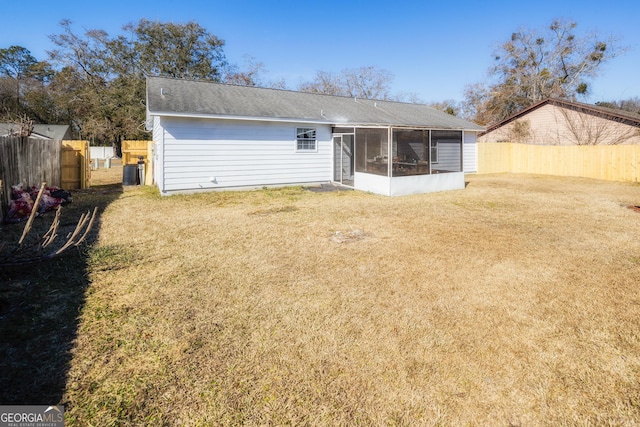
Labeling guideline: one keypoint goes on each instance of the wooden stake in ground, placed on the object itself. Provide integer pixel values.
(34, 210)
(33, 252)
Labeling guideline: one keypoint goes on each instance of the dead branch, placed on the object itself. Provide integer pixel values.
(43, 248)
(589, 130)
(34, 211)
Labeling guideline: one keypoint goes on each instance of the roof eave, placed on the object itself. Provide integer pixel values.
(586, 108)
(244, 118)
(301, 120)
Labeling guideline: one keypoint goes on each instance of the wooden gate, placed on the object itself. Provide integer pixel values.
(131, 150)
(76, 165)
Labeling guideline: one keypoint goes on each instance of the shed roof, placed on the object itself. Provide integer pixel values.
(176, 97)
(57, 132)
(620, 116)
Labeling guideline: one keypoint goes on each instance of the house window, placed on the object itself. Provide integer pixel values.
(434, 150)
(305, 139)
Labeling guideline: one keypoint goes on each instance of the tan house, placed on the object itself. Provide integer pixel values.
(560, 122)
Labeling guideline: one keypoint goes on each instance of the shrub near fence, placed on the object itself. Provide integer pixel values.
(608, 162)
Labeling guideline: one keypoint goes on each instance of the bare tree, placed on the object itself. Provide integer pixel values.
(21, 126)
(326, 83)
(367, 82)
(631, 104)
(249, 76)
(584, 129)
(533, 65)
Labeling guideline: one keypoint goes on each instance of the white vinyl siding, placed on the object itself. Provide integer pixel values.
(158, 142)
(470, 152)
(209, 154)
(448, 155)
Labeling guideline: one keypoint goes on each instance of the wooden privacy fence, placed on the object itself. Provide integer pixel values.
(30, 161)
(76, 165)
(131, 150)
(608, 162)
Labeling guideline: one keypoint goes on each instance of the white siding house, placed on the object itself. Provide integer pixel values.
(470, 154)
(210, 136)
(206, 154)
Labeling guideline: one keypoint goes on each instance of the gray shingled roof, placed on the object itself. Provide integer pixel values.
(57, 132)
(175, 97)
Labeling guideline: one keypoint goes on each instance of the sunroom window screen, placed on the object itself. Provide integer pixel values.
(306, 139)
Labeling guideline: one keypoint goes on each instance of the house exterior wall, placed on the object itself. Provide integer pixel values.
(553, 125)
(158, 158)
(407, 185)
(448, 156)
(206, 154)
(101, 152)
(470, 152)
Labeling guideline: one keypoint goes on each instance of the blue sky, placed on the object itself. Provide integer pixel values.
(433, 49)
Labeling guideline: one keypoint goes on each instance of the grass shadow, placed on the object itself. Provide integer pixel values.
(40, 305)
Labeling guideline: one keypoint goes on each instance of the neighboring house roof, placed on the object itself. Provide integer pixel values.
(620, 116)
(58, 132)
(174, 97)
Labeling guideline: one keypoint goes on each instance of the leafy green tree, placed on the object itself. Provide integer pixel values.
(172, 50)
(533, 65)
(448, 106)
(81, 89)
(16, 64)
(106, 75)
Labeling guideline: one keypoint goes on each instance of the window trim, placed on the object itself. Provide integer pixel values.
(431, 148)
(307, 140)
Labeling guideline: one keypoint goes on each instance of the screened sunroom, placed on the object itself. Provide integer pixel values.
(396, 160)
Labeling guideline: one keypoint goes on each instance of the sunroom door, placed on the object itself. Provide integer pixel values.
(343, 166)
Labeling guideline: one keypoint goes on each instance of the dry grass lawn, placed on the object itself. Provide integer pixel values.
(513, 302)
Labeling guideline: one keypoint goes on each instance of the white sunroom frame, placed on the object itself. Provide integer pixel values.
(390, 185)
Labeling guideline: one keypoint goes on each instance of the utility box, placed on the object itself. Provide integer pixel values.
(130, 175)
